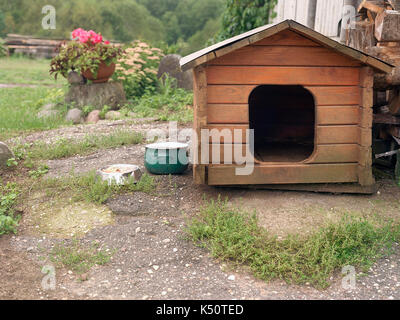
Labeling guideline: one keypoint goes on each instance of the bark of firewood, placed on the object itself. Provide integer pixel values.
(387, 81)
(394, 102)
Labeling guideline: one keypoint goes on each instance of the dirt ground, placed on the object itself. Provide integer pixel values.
(153, 259)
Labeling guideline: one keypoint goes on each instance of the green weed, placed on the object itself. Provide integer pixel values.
(234, 235)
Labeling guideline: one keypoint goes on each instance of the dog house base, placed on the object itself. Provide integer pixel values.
(335, 188)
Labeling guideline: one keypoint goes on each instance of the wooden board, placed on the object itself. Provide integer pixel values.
(338, 153)
(293, 56)
(239, 114)
(325, 96)
(228, 113)
(200, 120)
(305, 76)
(287, 38)
(284, 174)
(339, 115)
(334, 188)
(325, 134)
(337, 134)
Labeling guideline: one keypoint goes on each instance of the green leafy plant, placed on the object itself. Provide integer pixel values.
(12, 162)
(244, 15)
(78, 257)
(8, 197)
(234, 235)
(91, 188)
(103, 112)
(137, 69)
(168, 104)
(86, 52)
(41, 171)
(3, 50)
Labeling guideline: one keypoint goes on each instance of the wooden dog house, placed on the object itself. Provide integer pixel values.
(308, 98)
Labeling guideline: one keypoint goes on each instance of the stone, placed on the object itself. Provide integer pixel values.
(75, 78)
(170, 65)
(113, 115)
(93, 117)
(98, 95)
(74, 115)
(231, 278)
(5, 155)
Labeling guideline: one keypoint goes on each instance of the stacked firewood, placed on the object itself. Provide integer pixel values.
(35, 47)
(377, 32)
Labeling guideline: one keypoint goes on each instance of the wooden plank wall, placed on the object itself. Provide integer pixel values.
(290, 59)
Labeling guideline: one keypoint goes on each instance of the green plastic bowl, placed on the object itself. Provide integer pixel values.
(167, 158)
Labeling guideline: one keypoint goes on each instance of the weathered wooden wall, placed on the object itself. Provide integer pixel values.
(289, 59)
(322, 15)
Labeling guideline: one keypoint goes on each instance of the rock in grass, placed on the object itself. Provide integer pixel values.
(97, 95)
(113, 115)
(5, 154)
(170, 65)
(75, 115)
(93, 117)
(75, 78)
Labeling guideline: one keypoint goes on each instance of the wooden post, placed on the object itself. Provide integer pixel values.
(365, 175)
(200, 122)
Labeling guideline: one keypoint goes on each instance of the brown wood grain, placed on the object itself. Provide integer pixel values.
(325, 134)
(328, 115)
(325, 96)
(200, 120)
(337, 153)
(337, 134)
(293, 56)
(287, 38)
(239, 114)
(284, 174)
(228, 113)
(305, 76)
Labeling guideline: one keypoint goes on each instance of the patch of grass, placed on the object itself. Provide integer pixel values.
(234, 235)
(23, 70)
(169, 104)
(65, 148)
(19, 108)
(78, 258)
(8, 197)
(91, 188)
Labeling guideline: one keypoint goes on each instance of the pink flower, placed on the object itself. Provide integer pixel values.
(76, 33)
(106, 42)
(98, 38)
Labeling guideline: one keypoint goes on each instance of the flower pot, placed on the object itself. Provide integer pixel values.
(104, 73)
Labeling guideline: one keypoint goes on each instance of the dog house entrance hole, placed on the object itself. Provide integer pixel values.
(283, 119)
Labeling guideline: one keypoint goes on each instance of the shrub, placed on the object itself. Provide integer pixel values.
(8, 197)
(168, 104)
(3, 50)
(137, 69)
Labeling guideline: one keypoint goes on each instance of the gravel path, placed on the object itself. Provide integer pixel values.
(153, 258)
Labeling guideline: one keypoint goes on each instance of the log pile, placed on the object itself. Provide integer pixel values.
(377, 32)
(34, 47)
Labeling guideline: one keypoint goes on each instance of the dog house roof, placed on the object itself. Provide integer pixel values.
(255, 35)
